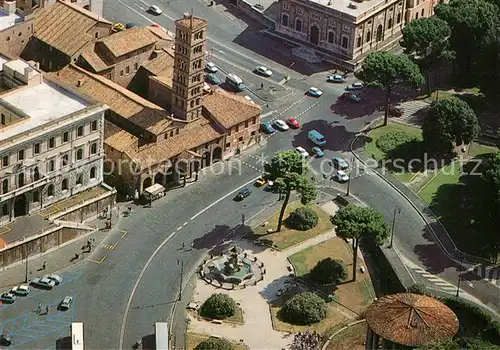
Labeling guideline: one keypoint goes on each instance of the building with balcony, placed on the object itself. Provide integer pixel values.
(51, 141)
(348, 30)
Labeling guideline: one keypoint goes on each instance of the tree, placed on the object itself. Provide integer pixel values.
(329, 271)
(304, 309)
(448, 344)
(469, 21)
(218, 306)
(491, 176)
(418, 289)
(426, 41)
(302, 219)
(387, 70)
(214, 343)
(288, 171)
(449, 120)
(358, 224)
(489, 66)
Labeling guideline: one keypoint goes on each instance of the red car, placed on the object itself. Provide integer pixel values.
(294, 123)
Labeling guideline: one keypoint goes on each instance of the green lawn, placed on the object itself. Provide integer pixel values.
(478, 149)
(289, 237)
(193, 339)
(449, 175)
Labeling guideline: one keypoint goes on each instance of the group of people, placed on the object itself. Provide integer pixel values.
(306, 340)
(39, 309)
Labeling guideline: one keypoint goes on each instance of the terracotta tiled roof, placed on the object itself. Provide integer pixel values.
(411, 319)
(94, 60)
(118, 138)
(66, 27)
(163, 61)
(191, 136)
(120, 100)
(229, 109)
(160, 33)
(129, 40)
(192, 22)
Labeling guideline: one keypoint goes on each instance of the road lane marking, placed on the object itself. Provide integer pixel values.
(100, 261)
(184, 224)
(179, 228)
(115, 245)
(222, 198)
(124, 233)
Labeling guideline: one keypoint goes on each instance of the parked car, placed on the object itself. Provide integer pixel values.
(56, 278)
(155, 10)
(117, 27)
(318, 152)
(5, 340)
(212, 79)
(355, 86)
(302, 151)
(280, 124)
(351, 97)
(43, 283)
(314, 92)
(7, 298)
(341, 176)
(260, 182)
(66, 303)
(339, 163)
(335, 79)
(263, 71)
(267, 128)
(294, 123)
(211, 67)
(130, 25)
(21, 290)
(244, 193)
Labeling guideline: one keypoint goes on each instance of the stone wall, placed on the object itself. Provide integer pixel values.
(87, 210)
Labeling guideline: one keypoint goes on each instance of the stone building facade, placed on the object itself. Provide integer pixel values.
(51, 142)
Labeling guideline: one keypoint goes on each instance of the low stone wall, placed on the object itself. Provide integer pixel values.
(257, 15)
(87, 210)
(40, 244)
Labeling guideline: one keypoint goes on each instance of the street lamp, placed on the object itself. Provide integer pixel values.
(27, 259)
(180, 262)
(349, 181)
(458, 285)
(397, 210)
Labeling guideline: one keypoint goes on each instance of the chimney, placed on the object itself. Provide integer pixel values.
(9, 7)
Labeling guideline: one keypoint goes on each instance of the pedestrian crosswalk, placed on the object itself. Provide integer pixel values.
(410, 108)
(438, 282)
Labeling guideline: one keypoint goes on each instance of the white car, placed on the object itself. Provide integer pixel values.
(56, 278)
(211, 67)
(264, 71)
(280, 124)
(302, 152)
(7, 298)
(66, 303)
(315, 92)
(355, 86)
(43, 283)
(22, 290)
(155, 10)
(341, 176)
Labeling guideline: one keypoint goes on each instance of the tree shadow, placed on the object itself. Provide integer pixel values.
(431, 255)
(270, 291)
(219, 237)
(337, 137)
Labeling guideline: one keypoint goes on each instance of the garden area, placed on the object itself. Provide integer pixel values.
(351, 338)
(290, 235)
(197, 341)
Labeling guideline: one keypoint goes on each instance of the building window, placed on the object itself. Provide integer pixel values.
(79, 131)
(93, 125)
(36, 196)
(20, 180)
(50, 190)
(136, 66)
(422, 14)
(3, 119)
(96, 33)
(36, 174)
(79, 154)
(5, 210)
(36, 148)
(284, 20)
(331, 37)
(65, 160)
(345, 42)
(228, 144)
(252, 133)
(177, 131)
(121, 73)
(64, 185)
(51, 165)
(298, 25)
(93, 148)
(52, 142)
(5, 161)
(389, 24)
(5, 186)
(398, 19)
(359, 42)
(240, 139)
(20, 154)
(127, 69)
(79, 179)
(416, 15)
(92, 172)
(66, 136)
(368, 36)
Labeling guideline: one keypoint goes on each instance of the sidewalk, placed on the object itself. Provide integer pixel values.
(57, 259)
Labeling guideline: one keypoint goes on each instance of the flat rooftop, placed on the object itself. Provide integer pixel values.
(7, 21)
(2, 61)
(44, 103)
(352, 8)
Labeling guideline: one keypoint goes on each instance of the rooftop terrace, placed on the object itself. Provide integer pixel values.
(8, 20)
(349, 7)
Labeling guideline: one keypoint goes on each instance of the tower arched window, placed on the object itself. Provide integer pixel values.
(50, 190)
(298, 25)
(5, 186)
(284, 20)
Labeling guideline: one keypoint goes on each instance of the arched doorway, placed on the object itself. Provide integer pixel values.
(205, 160)
(194, 166)
(159, 178)
(217, 155)
(20, 205)
(20, 180)
(146, 183)
(169, 175)
(314, 35)
(36, 174)
(379, 32)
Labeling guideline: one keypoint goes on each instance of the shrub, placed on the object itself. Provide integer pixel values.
(418, 289)
(392, 140)
(214, 343)
(219, 306)
(329, 271)
(302, 219)
(304, 309)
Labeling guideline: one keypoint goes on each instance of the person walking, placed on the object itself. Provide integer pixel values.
(39, 308)
(44, 266)
(47, 309)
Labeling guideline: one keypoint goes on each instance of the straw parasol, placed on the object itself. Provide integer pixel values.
(411, 319)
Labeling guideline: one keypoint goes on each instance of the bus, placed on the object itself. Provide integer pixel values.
(77, 336)
(235, 81)
(161, 335)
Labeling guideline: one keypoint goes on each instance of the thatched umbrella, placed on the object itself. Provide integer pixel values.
(411, 319)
